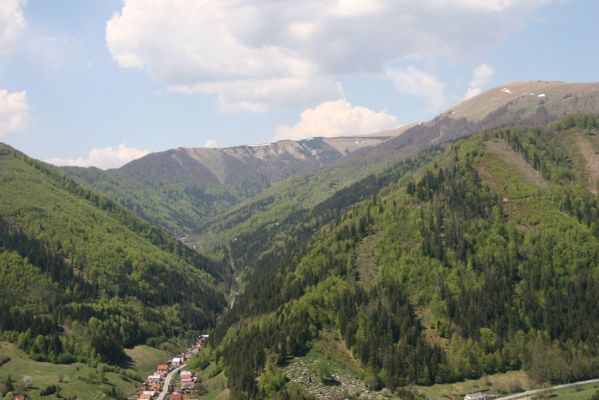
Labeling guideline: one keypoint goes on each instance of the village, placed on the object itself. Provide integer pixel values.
(170, 380)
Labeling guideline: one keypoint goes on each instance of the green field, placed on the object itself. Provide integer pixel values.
(216, 386)
(510, 382)
(579, 392)
(80, 380)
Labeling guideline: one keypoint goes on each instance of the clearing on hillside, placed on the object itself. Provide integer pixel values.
(515, 160)
(591, 160)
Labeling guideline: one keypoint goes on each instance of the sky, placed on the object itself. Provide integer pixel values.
(102, 82)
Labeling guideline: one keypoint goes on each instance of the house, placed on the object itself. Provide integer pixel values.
(175, 362)
(148, 394)
(155, 387)
(185, 374)
(162, 368)
(20, 397)
(187, 384)
(154, 379)
(479, 396)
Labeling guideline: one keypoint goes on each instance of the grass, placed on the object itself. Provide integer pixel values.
(333, 349)
(583, 392)
(507, 173)
(78, 379)
(145, 358)
(510, 382)
(216, 386)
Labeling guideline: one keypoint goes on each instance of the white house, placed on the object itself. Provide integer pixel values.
(154, 378)
(175, 362)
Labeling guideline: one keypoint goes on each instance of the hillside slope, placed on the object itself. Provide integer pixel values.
(82, 277)
(482, 260)
(255, 225)
(181, 189)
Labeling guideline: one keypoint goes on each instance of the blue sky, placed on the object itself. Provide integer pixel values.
(101, 82)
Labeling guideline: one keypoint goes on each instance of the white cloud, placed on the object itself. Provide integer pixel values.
(107, 157)
(480, 78)
(416, 82)
(14, 112)
(12, 23)
(258, 95)
(255, 54)
(337, 118)
(211, 144)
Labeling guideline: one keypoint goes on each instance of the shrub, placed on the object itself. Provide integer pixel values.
(49, 390)
(4, 359)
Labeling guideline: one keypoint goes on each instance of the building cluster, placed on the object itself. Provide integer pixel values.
(187, 382)
(155, 383)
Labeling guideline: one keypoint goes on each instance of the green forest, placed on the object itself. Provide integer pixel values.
(486, 260)
(82, 278)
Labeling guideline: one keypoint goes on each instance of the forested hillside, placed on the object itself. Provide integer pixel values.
(82, 277)
(478, 258)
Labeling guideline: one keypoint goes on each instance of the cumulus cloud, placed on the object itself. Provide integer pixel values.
(337, 118)
(480, 78)
(14, 112)
(104, 158)
(255, 54)
(416, 82)
(12, 23)
(211, 144)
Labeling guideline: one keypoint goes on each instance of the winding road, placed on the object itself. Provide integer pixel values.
(539, 391)
(167, 382)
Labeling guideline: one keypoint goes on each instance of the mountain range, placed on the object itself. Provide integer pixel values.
(451, 249)
(181, 189)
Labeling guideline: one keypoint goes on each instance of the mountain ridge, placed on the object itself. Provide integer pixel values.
(439, 131)
(181, 189)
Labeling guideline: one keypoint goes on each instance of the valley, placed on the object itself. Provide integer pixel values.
(313, 200)
(458, 256)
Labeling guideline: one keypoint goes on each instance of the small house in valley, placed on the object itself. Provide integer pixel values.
(162, 368)
(154, 379)
(186, 375)
(176, 362)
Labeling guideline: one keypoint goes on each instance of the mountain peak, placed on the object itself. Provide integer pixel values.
(553, 95)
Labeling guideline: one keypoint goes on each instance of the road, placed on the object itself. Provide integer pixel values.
(167, 382)
(539, 391)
